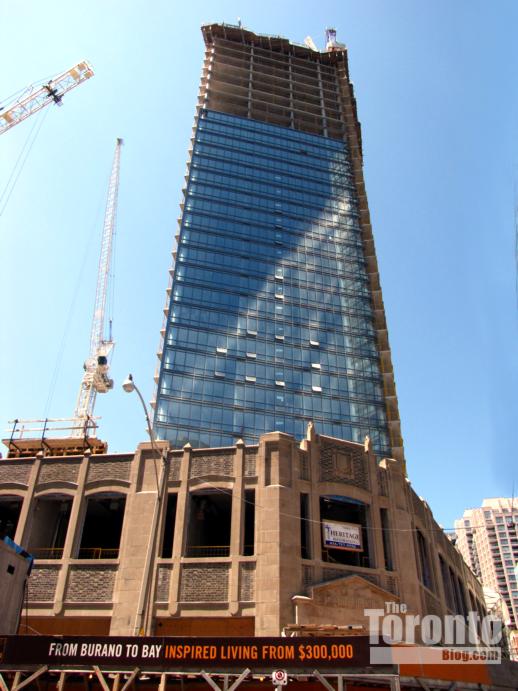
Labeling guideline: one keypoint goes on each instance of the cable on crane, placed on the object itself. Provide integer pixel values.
(516, 240)
(71, 309)
(111, 294)
(25, 89)
(21, 161)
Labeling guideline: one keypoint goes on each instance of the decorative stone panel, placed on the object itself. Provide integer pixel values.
(271, 457)
(204, 583)
(15, 471)
(251, 462)
(247, 582)
(163, 580)
(175, 464)
(215, 464)
(91, 583)
(383, 482)
(340, 464)
(59, 471)
(42, 583)
(304, 465)
(308, 576)
(113, 469)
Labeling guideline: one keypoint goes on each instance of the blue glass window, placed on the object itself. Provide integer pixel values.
(270, 322)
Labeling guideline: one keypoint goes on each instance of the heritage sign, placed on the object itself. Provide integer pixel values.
(339, 535)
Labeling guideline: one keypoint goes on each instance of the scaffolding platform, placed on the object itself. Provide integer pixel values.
(53, 437)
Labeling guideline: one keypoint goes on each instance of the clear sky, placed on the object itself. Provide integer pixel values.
(437, 98)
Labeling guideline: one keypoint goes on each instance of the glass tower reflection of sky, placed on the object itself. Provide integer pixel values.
(275, 315)
(270, 322)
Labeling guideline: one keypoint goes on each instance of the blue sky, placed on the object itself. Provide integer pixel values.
(437, 99)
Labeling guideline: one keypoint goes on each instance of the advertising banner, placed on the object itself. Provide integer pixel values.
(178, 653)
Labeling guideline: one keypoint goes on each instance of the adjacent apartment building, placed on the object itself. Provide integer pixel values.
(274, 314)
(487, 538)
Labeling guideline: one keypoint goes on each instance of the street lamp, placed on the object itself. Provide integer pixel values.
(129, 386)
(144, 604)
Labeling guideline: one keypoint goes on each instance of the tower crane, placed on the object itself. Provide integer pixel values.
(37, 97)
(96, 367)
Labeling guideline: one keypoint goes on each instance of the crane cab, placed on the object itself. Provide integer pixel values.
(101, 382)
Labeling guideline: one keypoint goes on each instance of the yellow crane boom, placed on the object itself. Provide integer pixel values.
(37, 97)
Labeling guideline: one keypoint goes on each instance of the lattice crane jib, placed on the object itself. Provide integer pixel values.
(35, 98)
(96, 367)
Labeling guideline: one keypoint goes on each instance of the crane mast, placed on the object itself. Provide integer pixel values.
(36, 98)
(95, 379)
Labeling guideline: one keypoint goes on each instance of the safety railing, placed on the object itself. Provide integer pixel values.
(207, 551)
(47, 552)
(98, 553)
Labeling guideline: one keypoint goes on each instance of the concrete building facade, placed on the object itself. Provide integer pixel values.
(227, 541)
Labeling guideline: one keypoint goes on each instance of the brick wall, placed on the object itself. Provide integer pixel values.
(304, 465)
(59, 471)
(15, 471)
(204, 583)
(174, 468)
(114, 469)
(163, 580)
(247, 582)
(215, 464)
(91, 583)
(251, 462)
(42, 583)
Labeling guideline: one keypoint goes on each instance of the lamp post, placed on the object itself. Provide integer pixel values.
(144, 608)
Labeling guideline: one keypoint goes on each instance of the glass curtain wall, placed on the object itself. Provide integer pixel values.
(270, 321)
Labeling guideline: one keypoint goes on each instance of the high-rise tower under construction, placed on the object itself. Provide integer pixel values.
(275, 315)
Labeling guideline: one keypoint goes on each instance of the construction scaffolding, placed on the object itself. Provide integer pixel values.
(52, 437)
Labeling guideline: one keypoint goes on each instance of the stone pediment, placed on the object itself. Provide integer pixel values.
(341, 602)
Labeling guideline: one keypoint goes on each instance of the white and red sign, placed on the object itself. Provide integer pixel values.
(279, 677)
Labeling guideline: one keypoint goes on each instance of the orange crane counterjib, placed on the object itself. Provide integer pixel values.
(41, 96)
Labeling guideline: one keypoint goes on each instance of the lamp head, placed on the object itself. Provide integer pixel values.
(128, 384)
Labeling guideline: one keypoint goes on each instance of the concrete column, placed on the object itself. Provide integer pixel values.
(292, 114)
(250, 83)
(237, 528)
(375, 534)
(137, 536)
(23, 528)
(314, 506)
(73, 537)
(207, 81)
(322, 102)
(179, 529)
(278, 536)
